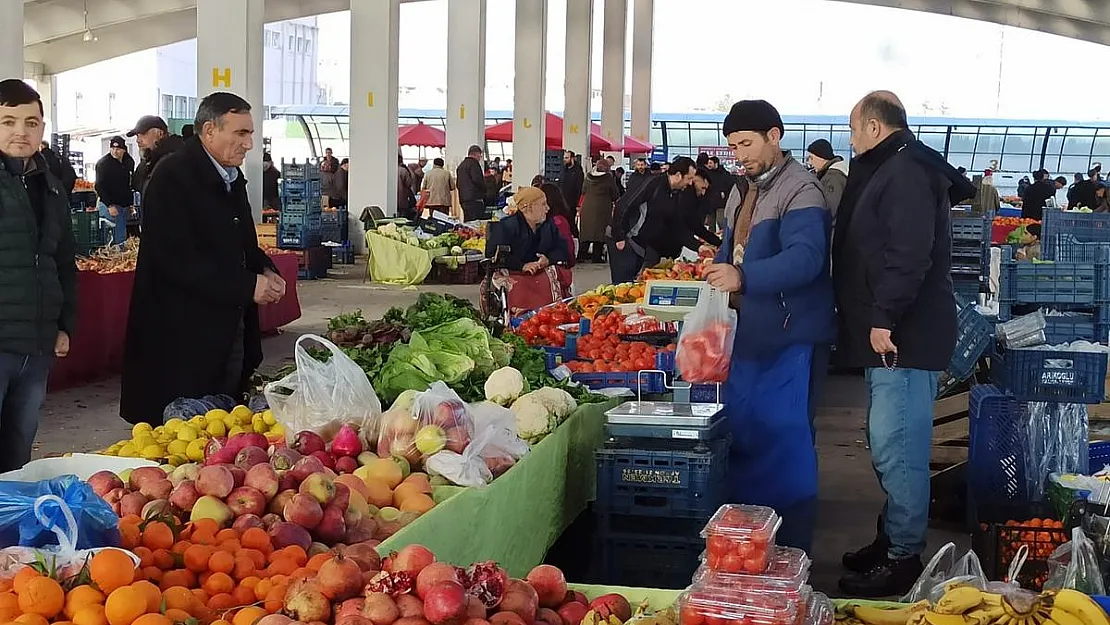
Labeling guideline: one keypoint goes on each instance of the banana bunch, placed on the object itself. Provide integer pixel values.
(593, 618)
(967, 605)
(645, 616)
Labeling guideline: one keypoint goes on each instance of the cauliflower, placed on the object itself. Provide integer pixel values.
(559, 401)
(504, 386)
(533, 419)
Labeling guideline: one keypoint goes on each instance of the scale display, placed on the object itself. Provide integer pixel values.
(676, 294)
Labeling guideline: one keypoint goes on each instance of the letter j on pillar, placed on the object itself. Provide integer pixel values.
(221, 77)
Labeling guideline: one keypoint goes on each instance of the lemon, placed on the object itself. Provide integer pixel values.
(187, 433)
(216, 428)
(177, 447)
(195, 451)
(236, 430)
(143, 440)
(177, 460)
(199, 422)
(173, 425)
(244, 419)
(240, 410)
(216, 413)
(159, 430)
(268, 417)
(127, 451)
(140, 428)
(153, 452)
(278, 429)
(230, 422)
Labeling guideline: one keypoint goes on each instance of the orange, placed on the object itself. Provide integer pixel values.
(244, 567)
(146, 556)
(248, 615)
(317, 561)
(90, 615)
(227, 534)
(20, 580)
(221, 602)
(220, 562)
(151, 592)
(417, 503)
(378, 493)
(275, 599)
(209, 526)
(201, 595)
(163, 559)
(152, 619)
(218, 583)
(243, 595)
(42, 595)
(196, 557)
(230, 546)
(124, 606)
(261, 589)
(255, 538)
(178, 598)
(178, 616)
(404, 491)
(203, 538)
(250, 581)
(178, 577)
(152, 574)
(180, 546)
(80, 597)
(157, 535)
(130, 535)
(221, 622)
(256, 556)
(63, 622)
(282, 566)
(32, 619)
(111, 569)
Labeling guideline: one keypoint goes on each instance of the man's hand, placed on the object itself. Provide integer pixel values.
(113, 211)
(620, 245)
(61, 345)
(881, 343)
(724, 277)
(263, 291)
(277, 283)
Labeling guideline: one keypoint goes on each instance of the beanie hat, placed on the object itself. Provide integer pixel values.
(821, 148)
(752, 115)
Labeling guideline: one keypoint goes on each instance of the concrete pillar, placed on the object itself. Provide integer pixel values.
(529, 114)
(229, 58)
(612, 70)
(11, 40)
(375, 34)
(643, 28)
(466, 78)
(576, 110)
(47, 86)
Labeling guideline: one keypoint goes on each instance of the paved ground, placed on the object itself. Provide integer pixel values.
(86, 418)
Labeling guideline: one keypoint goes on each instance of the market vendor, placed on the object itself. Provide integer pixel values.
(533, 239)
(775, 264)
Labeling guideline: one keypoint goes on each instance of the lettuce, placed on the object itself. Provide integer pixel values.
(414, 368)
(462, 336)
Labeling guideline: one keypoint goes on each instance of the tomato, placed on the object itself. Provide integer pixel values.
(754, 565)
(733, 563)
(717, 545)
(744, 549)
(691, 617)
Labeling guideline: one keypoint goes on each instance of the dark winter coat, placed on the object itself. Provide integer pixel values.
(833, 181)
(61, 169)
(151, 158)
(571, 184)
(1036, 198)
(271, 197)
(470, 180)
(113, 181)
(892, 255)
(635, 179)
(194, 287)
(526, 244)
(38, 273)
(597, 206)
(651, 221)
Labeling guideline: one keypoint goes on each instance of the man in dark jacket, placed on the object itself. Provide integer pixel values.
(193, 327)
(115, 199)
(699, 202)
(891, 264)
(471, 183)
(1036, 195)
(271, 175)
(639, 175)
(60, 168)
(1082, 193)
(38, 296)
(156, 142)
(573, 179)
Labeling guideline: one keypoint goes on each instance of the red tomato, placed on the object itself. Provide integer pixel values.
(733, 563)
(744, 549)
(754, 565)
(691, 617)
(717, 545)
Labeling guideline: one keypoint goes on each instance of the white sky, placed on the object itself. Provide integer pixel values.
(805, 56)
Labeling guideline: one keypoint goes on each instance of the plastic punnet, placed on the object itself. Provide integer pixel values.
(713, 606)
(786, 574)
(739, 538)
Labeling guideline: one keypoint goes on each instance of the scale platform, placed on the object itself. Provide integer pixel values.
(670, 420)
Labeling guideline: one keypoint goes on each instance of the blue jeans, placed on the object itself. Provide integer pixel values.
(900, 434)
(22, 389)
(119, 231)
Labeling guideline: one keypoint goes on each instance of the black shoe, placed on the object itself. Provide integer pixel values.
(891, 578)
(867, 558)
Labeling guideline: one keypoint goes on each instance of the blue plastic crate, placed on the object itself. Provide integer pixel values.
(966, 287)
(1048, 283)
(299, 218)
(297, 237)
(640, 560)
(973, 338)
(1098, 456)
(298, 207)
(1079, 227)
(971, 229)
(301, 187)
(1050, 375)
(336, 233)
(649, 383)
(300, 171)
(336, 216)
(996, 446)
(669, 483)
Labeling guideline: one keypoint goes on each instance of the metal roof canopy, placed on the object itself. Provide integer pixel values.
(53, 29)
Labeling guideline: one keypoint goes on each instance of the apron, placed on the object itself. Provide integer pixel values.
(772, 460)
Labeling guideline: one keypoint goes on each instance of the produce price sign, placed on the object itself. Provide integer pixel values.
(723, 153)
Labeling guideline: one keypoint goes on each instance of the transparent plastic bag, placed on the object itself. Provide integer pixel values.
(943, 568)
(493, 451)
(322, 396)
(1075, 565)
(1055, 442)
(439, 419)
(705, 344)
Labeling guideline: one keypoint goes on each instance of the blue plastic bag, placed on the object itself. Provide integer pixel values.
(31, 514)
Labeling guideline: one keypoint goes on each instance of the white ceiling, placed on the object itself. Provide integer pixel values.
(53, 29)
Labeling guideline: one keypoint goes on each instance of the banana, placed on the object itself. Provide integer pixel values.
(959, 599)
(1060, 616)
(878, 616)
(992, 598)
(1081, 606)
(615, 620)
(986, 614)
(935, 618)
(592, 618)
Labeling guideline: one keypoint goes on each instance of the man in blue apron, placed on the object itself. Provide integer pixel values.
(774, 263)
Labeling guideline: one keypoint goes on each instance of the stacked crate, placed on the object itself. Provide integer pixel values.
(334, 225)
(971, 238)
(300, 226)
(654, 496)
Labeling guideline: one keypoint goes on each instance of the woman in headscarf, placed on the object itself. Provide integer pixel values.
(599, 192)
(562, 217)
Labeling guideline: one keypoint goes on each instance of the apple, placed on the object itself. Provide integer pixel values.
(113, 496)
(188, 471)
(305, 467)
(184, 495)
(277, 504)
(142, 475)
(331, 529)
(346, 464)
(264, 479)
(319, 486)
(251, 456)
(157, 489)
(366, 458)
(403, 462)
(247, 521)
(216, 481)
(325, 458)
(342, 498)
(209, 507)
(156, 508)
(304, 510)
(246, 500)
(132, 503)
(104, 481)
(238, 475)
(430, 439)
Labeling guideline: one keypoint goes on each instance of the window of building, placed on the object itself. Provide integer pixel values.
(167, 106)
(292, 42)
(192, 107)
(705, 134)
(181, 106)
(678, 136)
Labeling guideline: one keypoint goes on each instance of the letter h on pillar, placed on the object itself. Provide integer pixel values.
(221, 78)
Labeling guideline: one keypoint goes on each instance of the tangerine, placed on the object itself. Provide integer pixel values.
(124, 606)
(90, 615)
(111, 569)
(157, 535)
(152, 593)
(80, 597)
(152, 619)
(248, 615)
(42, 595)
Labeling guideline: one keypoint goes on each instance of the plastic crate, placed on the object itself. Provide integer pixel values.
(88, 233)
(82, 200)
(336, 233)
(973, 338)
(297, 237)
(966, 286)
(465, 273)
(1079, 227)
(300, 171)
(706, 393)
(998, 541)
(300, 187)
(1068, 249)
(343, 254)
(1098, 456)
(1049, 283)
(1051, 375)
(299, 218)
(971, 229)
(674, 483)
(641, 560)
(310, 209)
(996, 447)
(635, 381)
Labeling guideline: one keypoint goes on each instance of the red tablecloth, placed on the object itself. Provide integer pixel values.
(103, 301)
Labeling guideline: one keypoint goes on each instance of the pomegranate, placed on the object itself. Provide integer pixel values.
(380, 609)
(547, 616)
(410, 605)
(305, 602)
(435, 573)
(364, 555)
(506, 618)
(445, 603)
(307, 442)
(475, 621)
(339, 578)
(487, 582)
(393, 584)
(521, 598)
(550, 585)
(612, 604)
(411, 559)
(350, 606)
(572, 612)
(475, 608)
(580, 597)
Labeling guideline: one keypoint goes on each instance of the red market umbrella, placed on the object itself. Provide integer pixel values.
(421, 135)
(632, 146)
(553, 134)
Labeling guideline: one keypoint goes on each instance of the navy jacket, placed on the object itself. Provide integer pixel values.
(525, 243)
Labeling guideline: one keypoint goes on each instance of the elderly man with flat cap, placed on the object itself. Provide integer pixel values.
(155, 141)
(830, 171)
(774, 263)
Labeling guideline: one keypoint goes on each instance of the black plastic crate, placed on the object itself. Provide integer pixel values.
(647, 560)
(465, 273)
(1005, 529)
(657, 481)
(88, 233)
(1051, 375)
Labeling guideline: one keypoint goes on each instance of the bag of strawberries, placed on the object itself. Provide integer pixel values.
(705, 344)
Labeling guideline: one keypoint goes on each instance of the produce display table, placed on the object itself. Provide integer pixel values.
(999, 234)
(515, 519)
(393, 262)
(273, 316)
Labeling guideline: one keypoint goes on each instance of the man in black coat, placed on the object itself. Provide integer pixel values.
(471, 184)
(891, 264)
(1036, 195)
(115, 199)
(572, 180)
(639, 175)
(193, 328)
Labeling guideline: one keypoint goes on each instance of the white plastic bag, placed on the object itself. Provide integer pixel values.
(493, 451)
(323, 396)
(944, 568)
(439, 419)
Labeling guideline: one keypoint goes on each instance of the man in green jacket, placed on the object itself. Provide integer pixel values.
(38, 273)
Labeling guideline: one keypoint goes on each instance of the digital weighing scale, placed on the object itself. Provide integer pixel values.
(670, 300)
(666, 420)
